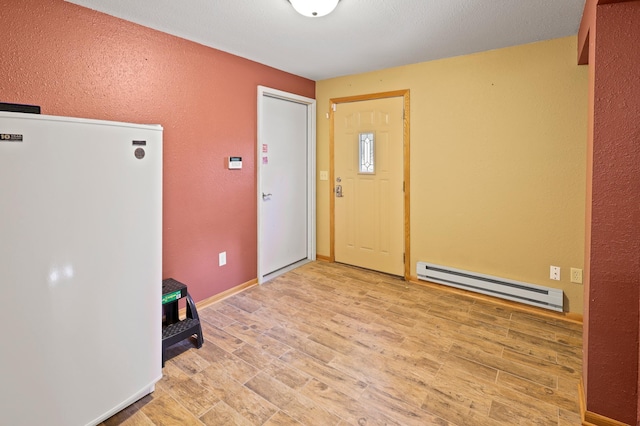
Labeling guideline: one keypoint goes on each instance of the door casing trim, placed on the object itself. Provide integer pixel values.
(311, 171)
(406, 134)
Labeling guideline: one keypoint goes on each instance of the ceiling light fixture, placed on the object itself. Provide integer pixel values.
(314, 8)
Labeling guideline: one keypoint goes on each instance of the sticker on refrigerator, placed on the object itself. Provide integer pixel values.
(10, 137)
(265, 160)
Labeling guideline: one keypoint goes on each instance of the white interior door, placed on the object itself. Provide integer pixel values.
(286, 176)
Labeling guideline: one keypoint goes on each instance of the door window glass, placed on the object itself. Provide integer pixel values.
(366, 157)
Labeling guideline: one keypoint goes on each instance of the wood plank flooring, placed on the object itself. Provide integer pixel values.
(328, 344)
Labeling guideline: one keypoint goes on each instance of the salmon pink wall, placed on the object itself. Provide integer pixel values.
(612, 285)
(76, 62)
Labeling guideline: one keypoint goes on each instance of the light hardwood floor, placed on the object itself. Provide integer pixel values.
(328, 344)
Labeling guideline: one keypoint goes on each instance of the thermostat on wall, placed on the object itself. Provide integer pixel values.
(235, 163)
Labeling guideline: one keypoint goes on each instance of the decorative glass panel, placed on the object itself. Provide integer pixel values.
(366, 153)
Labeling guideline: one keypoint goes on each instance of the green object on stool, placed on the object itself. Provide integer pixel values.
(175, 330)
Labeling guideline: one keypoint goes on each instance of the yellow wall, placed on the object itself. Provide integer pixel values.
(498, 160)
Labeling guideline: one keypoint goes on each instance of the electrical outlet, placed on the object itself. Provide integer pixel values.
(576, 275)
(222, 258)
(554, 273)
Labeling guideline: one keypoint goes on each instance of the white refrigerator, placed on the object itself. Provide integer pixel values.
(80, 268)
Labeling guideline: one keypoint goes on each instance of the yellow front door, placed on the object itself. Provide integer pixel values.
(368, 170)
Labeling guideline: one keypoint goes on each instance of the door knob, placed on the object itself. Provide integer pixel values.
(339, 191)
(265, 196)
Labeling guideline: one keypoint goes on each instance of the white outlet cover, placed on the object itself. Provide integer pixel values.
(222, 258)
(554, 273)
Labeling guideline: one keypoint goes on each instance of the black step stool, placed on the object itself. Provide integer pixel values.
(173, 329)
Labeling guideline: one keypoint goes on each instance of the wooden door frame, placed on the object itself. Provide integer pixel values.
(311, 173)
(406, 134)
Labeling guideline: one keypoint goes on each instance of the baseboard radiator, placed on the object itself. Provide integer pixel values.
(531, 294)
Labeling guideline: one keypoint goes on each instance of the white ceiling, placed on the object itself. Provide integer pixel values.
(359, 36)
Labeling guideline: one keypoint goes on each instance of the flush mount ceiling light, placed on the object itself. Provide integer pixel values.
(314, 8)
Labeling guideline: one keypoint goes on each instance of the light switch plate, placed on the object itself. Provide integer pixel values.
(576, 275)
